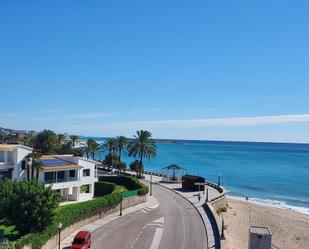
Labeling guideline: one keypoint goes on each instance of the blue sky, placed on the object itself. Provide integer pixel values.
(182, 69)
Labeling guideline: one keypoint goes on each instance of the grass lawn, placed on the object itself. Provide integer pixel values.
(120, 188)
(9, 232)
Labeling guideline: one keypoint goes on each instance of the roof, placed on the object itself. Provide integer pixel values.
(173, 166)
(82, 234)
(194, 178)
(12, 146)
(52, 163)
(259, 230)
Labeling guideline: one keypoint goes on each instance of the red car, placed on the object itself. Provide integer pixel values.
(82, 240)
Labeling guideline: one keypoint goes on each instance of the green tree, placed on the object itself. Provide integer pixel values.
(33, 205)
(110, 145)
(91, 149)
(35, 164)
(120, 144)
(74, 139)
(137, 167)
(46, 141)
(61, 139)
(142, 146)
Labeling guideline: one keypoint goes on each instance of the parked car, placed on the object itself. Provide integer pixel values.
(82, 240)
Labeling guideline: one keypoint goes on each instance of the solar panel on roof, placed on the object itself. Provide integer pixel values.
(54, 162)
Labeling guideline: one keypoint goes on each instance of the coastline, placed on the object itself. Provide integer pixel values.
(272, 204)
(289, 228)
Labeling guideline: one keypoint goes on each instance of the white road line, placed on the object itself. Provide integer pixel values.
(183, 224)
(157, 238)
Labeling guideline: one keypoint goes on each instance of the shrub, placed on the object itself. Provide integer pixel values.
(129, 182)
(103, 188)
(35, 205)
(67, 215)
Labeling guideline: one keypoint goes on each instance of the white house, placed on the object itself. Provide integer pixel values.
(73, 177)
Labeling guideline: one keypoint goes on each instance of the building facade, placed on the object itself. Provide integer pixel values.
(73, 177)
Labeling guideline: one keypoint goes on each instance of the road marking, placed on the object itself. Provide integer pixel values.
(157, 238)
(183, 224)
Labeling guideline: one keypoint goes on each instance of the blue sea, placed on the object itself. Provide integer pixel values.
(269, 173)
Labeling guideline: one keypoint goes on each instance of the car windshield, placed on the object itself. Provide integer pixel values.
(79, 241)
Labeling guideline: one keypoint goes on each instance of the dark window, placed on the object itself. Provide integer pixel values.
(72, 173)
(60, 175)
(23, 165)
(48, 176)
(86, 172)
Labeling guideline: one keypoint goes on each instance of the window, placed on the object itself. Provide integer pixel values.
(23, 165)
(49, 177)
(60, 174)
(86, 172)
(72, 173)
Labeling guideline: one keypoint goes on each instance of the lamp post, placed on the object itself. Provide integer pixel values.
(219, 179)
(150, 185)
(120, 214)
(222, 232)
(59, 231)
(206, 193)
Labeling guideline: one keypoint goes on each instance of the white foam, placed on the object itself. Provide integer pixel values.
(273, 203)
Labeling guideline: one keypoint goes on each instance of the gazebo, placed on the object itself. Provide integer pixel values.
(172, 173)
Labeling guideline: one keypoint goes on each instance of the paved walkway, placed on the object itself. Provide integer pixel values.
(151, 204)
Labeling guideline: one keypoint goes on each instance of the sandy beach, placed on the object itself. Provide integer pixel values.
(290, 229)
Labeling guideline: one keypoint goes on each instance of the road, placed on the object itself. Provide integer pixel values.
(175, 224)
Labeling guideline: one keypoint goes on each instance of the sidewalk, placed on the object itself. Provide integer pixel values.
(151, 204)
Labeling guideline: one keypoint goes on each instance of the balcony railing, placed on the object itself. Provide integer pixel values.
(60, 180)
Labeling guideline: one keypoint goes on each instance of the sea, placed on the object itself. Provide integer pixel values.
(273, 174)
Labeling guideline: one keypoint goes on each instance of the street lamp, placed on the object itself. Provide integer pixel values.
(207, 193)
(59, 230)
(120, 214)
(222, 232)
(150, 185)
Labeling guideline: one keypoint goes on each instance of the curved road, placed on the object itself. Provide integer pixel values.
(175, 224)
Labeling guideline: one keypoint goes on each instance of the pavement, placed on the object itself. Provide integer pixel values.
(165, 221)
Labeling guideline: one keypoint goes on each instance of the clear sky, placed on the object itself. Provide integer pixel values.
(226, 70)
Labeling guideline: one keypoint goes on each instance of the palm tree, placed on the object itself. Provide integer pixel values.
(91, 148)
(33, 156)
(142, 146)
(121, 143)
(74, 139)
(110, 145)
(37, 165)
(61, 138)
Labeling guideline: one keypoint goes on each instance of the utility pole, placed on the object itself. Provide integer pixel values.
(120, 214)
(150, 184)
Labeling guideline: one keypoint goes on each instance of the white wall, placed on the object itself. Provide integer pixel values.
(18, 155)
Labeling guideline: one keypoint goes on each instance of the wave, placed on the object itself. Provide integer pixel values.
(273, 203)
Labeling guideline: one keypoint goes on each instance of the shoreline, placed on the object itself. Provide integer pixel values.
(272, 204)
(289, 229)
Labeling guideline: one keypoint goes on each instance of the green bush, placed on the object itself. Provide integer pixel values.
(129, 182)
(67, 215)
(103, 188)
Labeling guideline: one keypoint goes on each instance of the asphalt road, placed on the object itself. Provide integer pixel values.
(175, 224)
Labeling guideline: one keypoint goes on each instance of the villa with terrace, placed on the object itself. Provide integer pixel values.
(74, 177)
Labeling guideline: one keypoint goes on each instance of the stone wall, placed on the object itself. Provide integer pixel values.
(127, 202)
(219, 203)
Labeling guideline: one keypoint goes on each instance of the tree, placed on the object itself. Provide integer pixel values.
(33, 205)
(120, 144)
(137, 167)
(91, 149)
(142, 146)
(74, 139)
(61, 138)
(109, 145)
(35, 165)
(46, 141)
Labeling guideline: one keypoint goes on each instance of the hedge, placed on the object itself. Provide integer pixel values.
(67, 215)
(103, 188)
(129, 182)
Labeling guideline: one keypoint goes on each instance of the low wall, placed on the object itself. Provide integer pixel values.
(52, 243)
